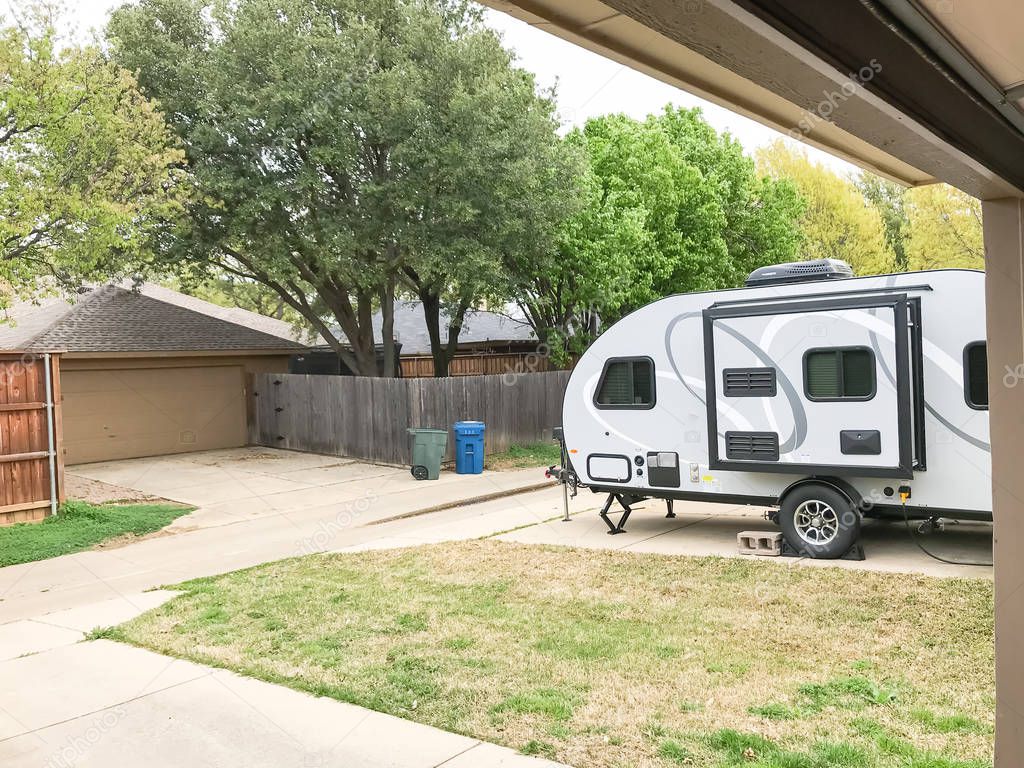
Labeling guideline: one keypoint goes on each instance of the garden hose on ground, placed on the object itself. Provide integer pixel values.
(914, 538)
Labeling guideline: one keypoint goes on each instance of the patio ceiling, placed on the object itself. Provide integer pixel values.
(935, 108)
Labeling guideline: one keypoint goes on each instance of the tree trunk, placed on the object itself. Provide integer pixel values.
(366, 349)
(387, 313)
(355, 322)
(432, 317)
(442, 352)
(454, 329)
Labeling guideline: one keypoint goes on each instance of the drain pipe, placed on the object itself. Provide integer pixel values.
(50, 433)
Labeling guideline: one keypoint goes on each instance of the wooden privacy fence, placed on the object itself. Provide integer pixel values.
(31, 459)
(367, 418)
(478, 365)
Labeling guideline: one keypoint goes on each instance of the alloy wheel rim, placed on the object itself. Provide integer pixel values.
(816, 522)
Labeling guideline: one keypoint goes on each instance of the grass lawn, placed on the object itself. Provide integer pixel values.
(79, 526)
(522, 456)
(612, 659)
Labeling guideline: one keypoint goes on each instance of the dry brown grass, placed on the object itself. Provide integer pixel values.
(609, 659)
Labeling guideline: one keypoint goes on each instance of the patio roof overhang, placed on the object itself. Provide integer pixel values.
(906, 113)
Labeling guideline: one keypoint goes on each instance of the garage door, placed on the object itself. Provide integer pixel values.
(124, 413)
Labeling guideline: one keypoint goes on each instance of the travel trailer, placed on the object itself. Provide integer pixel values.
(828, 396)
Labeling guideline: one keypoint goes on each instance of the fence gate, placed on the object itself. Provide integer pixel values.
(31, 460)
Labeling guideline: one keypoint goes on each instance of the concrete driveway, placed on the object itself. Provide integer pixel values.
(710, 529)
(237, 485)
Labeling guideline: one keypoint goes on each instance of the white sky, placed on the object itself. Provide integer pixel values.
(587, 84)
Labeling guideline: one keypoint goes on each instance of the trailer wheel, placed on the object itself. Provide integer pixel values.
(818, 521)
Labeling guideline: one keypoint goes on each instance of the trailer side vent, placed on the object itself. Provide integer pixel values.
(748, 382)
(752, 446)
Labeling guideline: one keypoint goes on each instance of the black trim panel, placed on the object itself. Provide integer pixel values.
(625, 459)
(884, 291)
(898, 303)
(860, 442)
(681, 495)
(773, 501)
(792, 468)
(749, 382)
(752, 446)
(917, 371)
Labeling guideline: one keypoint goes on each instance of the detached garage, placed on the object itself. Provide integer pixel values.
(150, 372)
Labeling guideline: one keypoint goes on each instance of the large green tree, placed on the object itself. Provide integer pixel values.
(760, 212)
(668, 206)
(88, 169)
(889, 199)
(838, 223)
(931, 227)
(349, 150)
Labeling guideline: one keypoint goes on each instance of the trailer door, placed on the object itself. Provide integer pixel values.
(804, 386)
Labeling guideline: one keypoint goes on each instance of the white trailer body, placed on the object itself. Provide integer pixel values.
(875, 387)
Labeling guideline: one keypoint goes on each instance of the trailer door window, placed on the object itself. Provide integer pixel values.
(846, 373)
(976, 375)
(626, 383)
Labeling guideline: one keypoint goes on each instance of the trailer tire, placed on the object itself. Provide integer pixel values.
(818, 521)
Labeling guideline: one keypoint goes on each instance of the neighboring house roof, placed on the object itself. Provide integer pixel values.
(477, 328)
(112, 319)
(254, 320)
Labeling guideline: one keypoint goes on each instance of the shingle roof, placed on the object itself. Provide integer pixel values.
(478, 326)
(271, 325)
(112, 319)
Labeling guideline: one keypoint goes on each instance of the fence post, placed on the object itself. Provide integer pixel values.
(51, 432)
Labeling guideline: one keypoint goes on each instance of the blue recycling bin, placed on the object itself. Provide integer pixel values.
(469, 447)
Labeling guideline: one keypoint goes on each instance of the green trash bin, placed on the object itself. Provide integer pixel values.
(428, 447)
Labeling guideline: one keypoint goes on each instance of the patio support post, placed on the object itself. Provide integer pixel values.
(1004, 279)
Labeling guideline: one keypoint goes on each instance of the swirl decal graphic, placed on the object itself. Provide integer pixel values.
(799, 433)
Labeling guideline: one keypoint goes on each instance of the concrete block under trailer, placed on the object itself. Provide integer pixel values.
(829, 398)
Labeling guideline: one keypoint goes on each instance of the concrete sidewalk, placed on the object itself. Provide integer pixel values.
(105, 704)
(33, 589)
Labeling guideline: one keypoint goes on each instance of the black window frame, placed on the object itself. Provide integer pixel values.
(967, 383)
(842, 399)
(631, 406)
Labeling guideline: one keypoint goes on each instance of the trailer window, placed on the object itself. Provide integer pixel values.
(626, 383)
(846, 373)
(976, 375)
